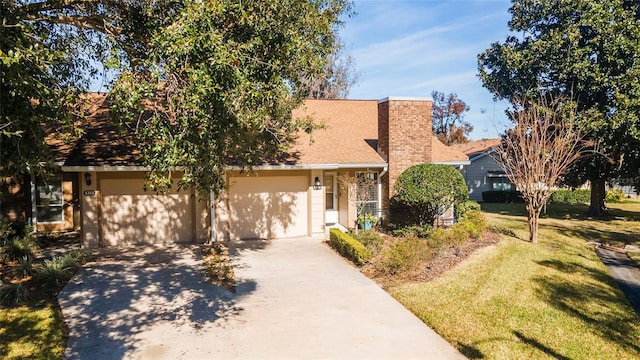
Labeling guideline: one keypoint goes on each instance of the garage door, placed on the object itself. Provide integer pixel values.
(268, 207)
(132, 216)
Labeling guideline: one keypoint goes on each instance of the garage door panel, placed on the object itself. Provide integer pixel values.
(143, 218)
(268, 207)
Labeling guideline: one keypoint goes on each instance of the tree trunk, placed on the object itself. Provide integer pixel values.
(533, 217)
(598, 206)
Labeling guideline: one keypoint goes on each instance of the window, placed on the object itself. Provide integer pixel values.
(367, 192)
(49, 200)
(329, 192)
(501, 184)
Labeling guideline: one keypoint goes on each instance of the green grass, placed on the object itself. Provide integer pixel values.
(32, 332)
(549, 300)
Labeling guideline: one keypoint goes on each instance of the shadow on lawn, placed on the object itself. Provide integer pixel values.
(593, 302)
(110, 302)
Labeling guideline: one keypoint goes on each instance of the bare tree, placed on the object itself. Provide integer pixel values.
(539, 150)
(338, 77)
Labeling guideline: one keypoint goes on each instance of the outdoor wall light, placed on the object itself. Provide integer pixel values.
(87, 178)
(316, 184)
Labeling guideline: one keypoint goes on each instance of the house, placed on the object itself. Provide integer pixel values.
(483, 173)
(100, 188)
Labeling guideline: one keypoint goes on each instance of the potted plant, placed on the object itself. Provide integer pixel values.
(367, 221)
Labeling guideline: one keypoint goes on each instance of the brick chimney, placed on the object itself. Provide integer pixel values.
(404, 137)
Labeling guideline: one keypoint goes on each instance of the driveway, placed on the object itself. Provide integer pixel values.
(295, 299)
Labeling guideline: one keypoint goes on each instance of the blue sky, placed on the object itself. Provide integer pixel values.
(410, 48)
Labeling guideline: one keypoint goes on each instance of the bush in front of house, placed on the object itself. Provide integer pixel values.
(15, 248)
(419, 231)
(502, 197)
(424, 192)
(349, 247)
(371, 239)
(571, 196)
(404, 255)
(463, 208)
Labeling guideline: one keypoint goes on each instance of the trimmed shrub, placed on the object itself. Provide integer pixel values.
(349, 247)
(24, 267)
(571, 196)
(502, 197)
(370, 239)
(423, 192)
(404, 255)
(464, 207)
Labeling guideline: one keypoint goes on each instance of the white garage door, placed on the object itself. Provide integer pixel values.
(132, 216)
(268, 207)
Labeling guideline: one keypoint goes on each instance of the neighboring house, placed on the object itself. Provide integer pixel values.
(483, 173)
(101, 184)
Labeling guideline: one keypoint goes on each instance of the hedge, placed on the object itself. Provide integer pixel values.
(571, 196)
(349, 247)
(502, 197)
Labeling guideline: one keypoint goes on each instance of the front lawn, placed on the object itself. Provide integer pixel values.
(32, 332)
(553, 299)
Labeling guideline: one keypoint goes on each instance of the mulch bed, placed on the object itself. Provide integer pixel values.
(443, 261)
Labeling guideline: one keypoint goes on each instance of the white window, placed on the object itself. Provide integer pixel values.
(367, 193)
(49, 200)
(501, 184)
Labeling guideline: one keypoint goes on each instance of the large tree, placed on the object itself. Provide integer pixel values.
(585, 50)
(448, 118)
(220, 76)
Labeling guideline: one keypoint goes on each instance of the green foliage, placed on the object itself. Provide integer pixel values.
(462, 208)
(615, 196)
(421, 231)
(468, 228)
(349, 247)
(571, 196)
(370, 239)
(599, 72)
(13, 294)
(54, 273)
(404, 255)
(427, 190)
(502, 197)
(24, 267)
(233, 74)
(16, 248)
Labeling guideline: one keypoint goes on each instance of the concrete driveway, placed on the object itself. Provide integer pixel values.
(296, 299)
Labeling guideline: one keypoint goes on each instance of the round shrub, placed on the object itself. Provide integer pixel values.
(424, 192)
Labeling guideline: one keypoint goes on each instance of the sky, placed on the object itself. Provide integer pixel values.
(411, 48)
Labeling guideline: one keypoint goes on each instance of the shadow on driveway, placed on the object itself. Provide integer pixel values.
(140, 300)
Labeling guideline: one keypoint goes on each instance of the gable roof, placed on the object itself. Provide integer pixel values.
(348, 138)
(475, 148)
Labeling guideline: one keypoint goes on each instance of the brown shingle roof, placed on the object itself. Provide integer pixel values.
(102, 143)
(474, 148)
(349, 136)
(442, 153)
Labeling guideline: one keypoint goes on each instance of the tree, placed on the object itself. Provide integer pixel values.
(584, 50)
(543, 144)
(428, 190)
(448, 118)
(336, 80)
(202, 83)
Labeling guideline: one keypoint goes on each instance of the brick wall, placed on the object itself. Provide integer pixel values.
(404, 137)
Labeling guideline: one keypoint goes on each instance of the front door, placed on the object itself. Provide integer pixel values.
(331, 198)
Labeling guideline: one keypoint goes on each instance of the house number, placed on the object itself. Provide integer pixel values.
(89, 192)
